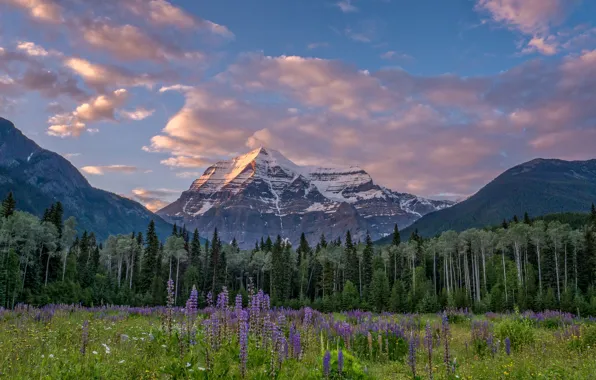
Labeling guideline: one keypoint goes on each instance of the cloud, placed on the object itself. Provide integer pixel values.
(154, 30)
(188, 174)
(423, 134)
(101, 76)
(161, 12)
(99, 108)
(47, 11)
(546, 46)
(137, 114)
(528, 16)
(101, 170)
(316, 45)
(71, 155)
(346, 6)
(393, 55)
(133, 42)
(176, 87)
(154, 200)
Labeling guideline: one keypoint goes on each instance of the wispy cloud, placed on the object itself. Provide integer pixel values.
(101, 170)
(346, 6)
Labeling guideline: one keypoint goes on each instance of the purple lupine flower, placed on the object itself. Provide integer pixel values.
(84, 336)
(209, 299)
(170, 293)
(191, 304)
(307, 316)
(222, 299)
(238, 306)
(340, 361)
(243, 339)
(428, 342)
(445, 326)
(490, 343)
(296, 345)
(412, 355)
(326, 362)
(508, 346)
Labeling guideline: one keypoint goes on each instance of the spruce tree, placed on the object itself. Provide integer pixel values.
(9, 205)
(303, 254)
(396, 240)
(150, 258)
(527, 219)
(593, 215)
(195, 250)
(515, 219)
(351, 258)
(367, 261)
(379, 292)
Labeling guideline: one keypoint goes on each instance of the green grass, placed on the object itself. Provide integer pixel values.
(139, 348)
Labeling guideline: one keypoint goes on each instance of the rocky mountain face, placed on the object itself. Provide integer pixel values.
(38, 178)
(263, 193)
(538, 187)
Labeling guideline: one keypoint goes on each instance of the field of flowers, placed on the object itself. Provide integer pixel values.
(236, 339)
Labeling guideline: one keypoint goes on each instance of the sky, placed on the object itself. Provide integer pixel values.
(435, 98)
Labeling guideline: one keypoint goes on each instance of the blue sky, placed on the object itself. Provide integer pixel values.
(430, 97)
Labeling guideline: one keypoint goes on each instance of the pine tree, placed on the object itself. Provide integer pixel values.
(593, 215)
(515, 219)
(56, 218)
(379, 291)
(150, 259)
(9, 205)
(195, 250)
(303, 254)
(217, 264)
(367, 261)
(352, 265)
(504, 224)
(175, 230)
(396, 237)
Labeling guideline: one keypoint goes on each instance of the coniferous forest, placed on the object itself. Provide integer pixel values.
(545, 263)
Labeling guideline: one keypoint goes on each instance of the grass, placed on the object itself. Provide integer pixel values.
(128, 343)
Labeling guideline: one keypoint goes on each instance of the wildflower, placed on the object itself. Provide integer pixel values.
(412, 356)
(243, 339)
(121, 361)
(428, 342)
(106, 348)
(508, 346)
(51, 355)
(340, 361)
(170, 288)
(445, 327)
(84, 336)
(94, 352)
(326, 361)
(188, 364)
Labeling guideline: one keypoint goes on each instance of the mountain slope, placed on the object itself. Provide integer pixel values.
(38, 178)
(263, 193)
(538, 187)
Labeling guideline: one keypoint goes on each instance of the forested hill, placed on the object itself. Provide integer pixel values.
(538, 187)
(38, 178)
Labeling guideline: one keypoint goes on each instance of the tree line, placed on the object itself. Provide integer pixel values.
(537, 264)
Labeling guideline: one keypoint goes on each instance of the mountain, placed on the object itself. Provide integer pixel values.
(263, 193)
(38, 178)
(537, 187)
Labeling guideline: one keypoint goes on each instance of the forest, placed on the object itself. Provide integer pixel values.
(547, 263)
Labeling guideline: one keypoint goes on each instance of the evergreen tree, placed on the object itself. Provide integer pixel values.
(379, 291)
(367, 261)
(195, 251)
(9, 205)
(593, 215)
(150, 265)
(515, 219)
(303, 255)
(396, 240)
(175, 230)
(504, 224)
(527, 219)
(352, 264)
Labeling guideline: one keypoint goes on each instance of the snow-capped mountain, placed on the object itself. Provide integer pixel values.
(263, 193)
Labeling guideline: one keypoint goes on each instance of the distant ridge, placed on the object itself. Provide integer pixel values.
(538, 187)
(38, 178)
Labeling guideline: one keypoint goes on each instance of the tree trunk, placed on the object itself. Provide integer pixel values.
(565, 266)
(504, 276)
(47, 269)
(539, 267)
(64, 266)
(177, 272)
(557, 272)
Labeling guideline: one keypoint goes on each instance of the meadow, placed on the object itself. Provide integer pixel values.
(234, 339)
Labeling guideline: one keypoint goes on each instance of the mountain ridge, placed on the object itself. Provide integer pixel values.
(540, 186)
(39, 177)
(263, 193)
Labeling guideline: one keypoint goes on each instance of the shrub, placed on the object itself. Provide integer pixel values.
(519, 332)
